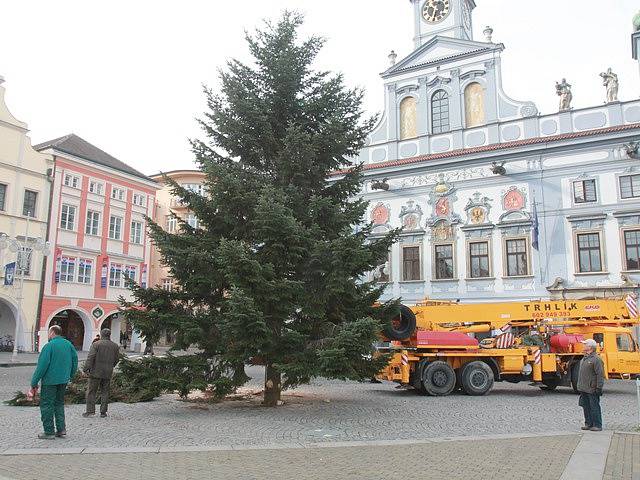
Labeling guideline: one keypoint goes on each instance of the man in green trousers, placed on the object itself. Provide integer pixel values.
(57, 364)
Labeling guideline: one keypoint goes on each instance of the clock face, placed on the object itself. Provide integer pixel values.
(434, 11)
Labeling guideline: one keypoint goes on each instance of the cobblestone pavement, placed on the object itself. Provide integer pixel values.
(623, 461)
(323, 412)
(490, 460)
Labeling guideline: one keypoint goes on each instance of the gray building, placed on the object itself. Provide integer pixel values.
(497, 201)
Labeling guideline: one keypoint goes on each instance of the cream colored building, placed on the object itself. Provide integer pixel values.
(25, 182)
(167, 205)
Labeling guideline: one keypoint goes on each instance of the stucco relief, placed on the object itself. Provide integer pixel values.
(411, 216)
(478, 209)
(434, 178)
(380, 216)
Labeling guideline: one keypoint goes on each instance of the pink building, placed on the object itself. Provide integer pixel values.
(97, 230)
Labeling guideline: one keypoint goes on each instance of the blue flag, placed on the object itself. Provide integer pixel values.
(535, 227)
(9, 273)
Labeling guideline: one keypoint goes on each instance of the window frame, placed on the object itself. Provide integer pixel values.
(432, 99)
(470, 258)
(35, 203)
(89, 223)
(133, 231)
(99, 190)
(576, 246)
(75, 181)
(65, 225)
(453, 260)
(624, 249)
(619, 186)
(85, 275)
(3, 198)
(196, 221)
(582, 182)
(68, 275)
(122, 193)
(527, 255)
(168, 282)
(112, 228)
(403, 247)
(115, 268)
(171, 225)
(139, 199)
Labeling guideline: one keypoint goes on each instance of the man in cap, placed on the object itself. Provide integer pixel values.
(57, 364)
(590, 383)
(103, 357)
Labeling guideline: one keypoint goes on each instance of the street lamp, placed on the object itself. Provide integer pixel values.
(23, 250)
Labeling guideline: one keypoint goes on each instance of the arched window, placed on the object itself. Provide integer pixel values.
(440, 112)
(408, 118)
(474, 105)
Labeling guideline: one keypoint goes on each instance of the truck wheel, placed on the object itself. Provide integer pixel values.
(477, 378)
(575, 371)
(438, 378)
(402, 326)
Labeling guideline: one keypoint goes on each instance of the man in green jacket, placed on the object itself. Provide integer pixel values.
(57, 364)
(590, 384)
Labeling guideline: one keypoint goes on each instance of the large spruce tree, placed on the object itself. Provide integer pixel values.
(274, 272)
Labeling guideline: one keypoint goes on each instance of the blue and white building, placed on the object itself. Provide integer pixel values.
(497, 201)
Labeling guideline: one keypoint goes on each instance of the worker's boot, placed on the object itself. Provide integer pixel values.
(596, 429)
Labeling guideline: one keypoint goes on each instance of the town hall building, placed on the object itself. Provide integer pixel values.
(496, 201)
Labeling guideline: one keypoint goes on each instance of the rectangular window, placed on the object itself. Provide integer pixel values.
(411, 263)
(167, 284)
(131, 272)
(589, 254)
(479, 260)
(630, 186)
(29, 204)
(584, 191)
(3, 195)
(517, 258)
(194, 187)
(115, 228)
(85, 267)
(92, 226)
(23, 261)
(193, 221)
(136, 233)
(115, 275)
(96, 187)
(117, 193)
(172, 223)
(68, 270)
(72, 181)
(443, 261)
(632, 249)
(624, 342)
(139, 199)
(68, 217)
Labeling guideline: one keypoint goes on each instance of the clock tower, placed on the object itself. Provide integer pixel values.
(449, 18)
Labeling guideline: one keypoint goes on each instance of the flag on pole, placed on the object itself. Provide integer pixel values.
(9, 273)
(536, 226)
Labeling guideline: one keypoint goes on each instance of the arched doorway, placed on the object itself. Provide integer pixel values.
(72, 327)
(7, 326)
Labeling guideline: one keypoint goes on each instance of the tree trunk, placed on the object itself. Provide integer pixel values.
(272, 386)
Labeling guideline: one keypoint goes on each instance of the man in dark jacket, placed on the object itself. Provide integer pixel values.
(57, 364)
(590, 383)
(103, 357)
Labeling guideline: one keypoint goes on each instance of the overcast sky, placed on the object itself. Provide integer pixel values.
(126, 75)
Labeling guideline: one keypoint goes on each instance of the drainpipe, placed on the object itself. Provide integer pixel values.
(43, 274)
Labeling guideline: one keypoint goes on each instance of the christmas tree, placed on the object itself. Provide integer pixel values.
(276, 270)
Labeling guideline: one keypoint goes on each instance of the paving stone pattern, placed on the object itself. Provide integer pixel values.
(323, 412)
(623, 461)
(540, 458)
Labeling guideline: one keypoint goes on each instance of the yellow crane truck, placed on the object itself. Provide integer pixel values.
(437, 347)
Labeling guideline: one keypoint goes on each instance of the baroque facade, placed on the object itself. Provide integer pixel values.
(25, 184)
(497, 201)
